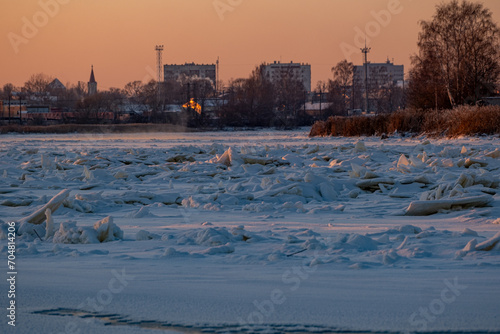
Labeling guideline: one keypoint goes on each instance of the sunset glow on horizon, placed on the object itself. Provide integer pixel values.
(63, 38)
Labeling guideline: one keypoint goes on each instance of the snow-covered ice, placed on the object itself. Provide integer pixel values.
(258, 231)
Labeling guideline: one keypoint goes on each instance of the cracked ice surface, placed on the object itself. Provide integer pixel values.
(256, 228)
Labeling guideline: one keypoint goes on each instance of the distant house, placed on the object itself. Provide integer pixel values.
(13, 110)
(316, 108)
(56, 85)
(174, 108)
(37, 109)
(133, 108)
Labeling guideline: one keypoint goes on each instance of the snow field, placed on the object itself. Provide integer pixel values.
(292, 210)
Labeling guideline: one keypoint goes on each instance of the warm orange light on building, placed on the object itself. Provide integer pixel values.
(193, 105)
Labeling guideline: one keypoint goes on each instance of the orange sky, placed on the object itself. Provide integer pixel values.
(119, 36)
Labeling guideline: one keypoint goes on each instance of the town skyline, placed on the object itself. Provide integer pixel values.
(63, 38)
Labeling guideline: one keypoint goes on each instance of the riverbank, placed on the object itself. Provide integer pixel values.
(94, 128)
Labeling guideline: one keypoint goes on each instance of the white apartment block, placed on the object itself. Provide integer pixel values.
(172, 72)
(380, 73)
(275, 71)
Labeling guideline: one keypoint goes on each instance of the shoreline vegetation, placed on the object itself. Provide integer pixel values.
(461, 121)
(93, 128)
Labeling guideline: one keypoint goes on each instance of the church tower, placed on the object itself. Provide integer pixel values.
(92, 84)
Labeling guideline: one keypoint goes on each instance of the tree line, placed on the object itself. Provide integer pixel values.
(457, 64)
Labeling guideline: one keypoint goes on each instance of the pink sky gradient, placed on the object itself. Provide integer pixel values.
(119, 36)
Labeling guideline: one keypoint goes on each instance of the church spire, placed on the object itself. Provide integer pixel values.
(92, 78)
(92, 84)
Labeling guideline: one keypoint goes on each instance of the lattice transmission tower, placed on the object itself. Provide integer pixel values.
(159, 50)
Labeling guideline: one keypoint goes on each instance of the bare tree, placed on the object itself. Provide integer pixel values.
(38, 83)
(259, 98)
(149, 93)
(132, 90)
(8, 89)
(250, 102)
(427, 88)
(461, 45)
(89, 108)
(343, 74)
(290, 96)
(336, 98)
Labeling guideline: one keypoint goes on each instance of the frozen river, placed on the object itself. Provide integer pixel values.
(251, 232)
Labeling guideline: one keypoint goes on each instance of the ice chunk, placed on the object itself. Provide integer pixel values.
(169, 197)
(450, 152)
(357, 171)
(69, 233)
(48, 163)
(409, 229)
(49, 225)
(359, 147)
(358, 266)
(354, 193)
(373, 184)
(228, 158)
(145, 235)
(390, 257)
(87, 174)
(362, 243)
(172, 252)
(120, 175)
(384, 239)
(253, 160)
(416, 252)
(141, 213)
(489, 244)
(90, 197)
(38, 217)
(423, 235)
(213, 236)
(494, 154)
(425, 208)
(465, 180)
(313, 243)
(107, 230)
(470, 161)
(223, 249)
(327, 191)
(471, 245)
(293, 159)
(468, 231)
(404, 243)
(403, 164)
